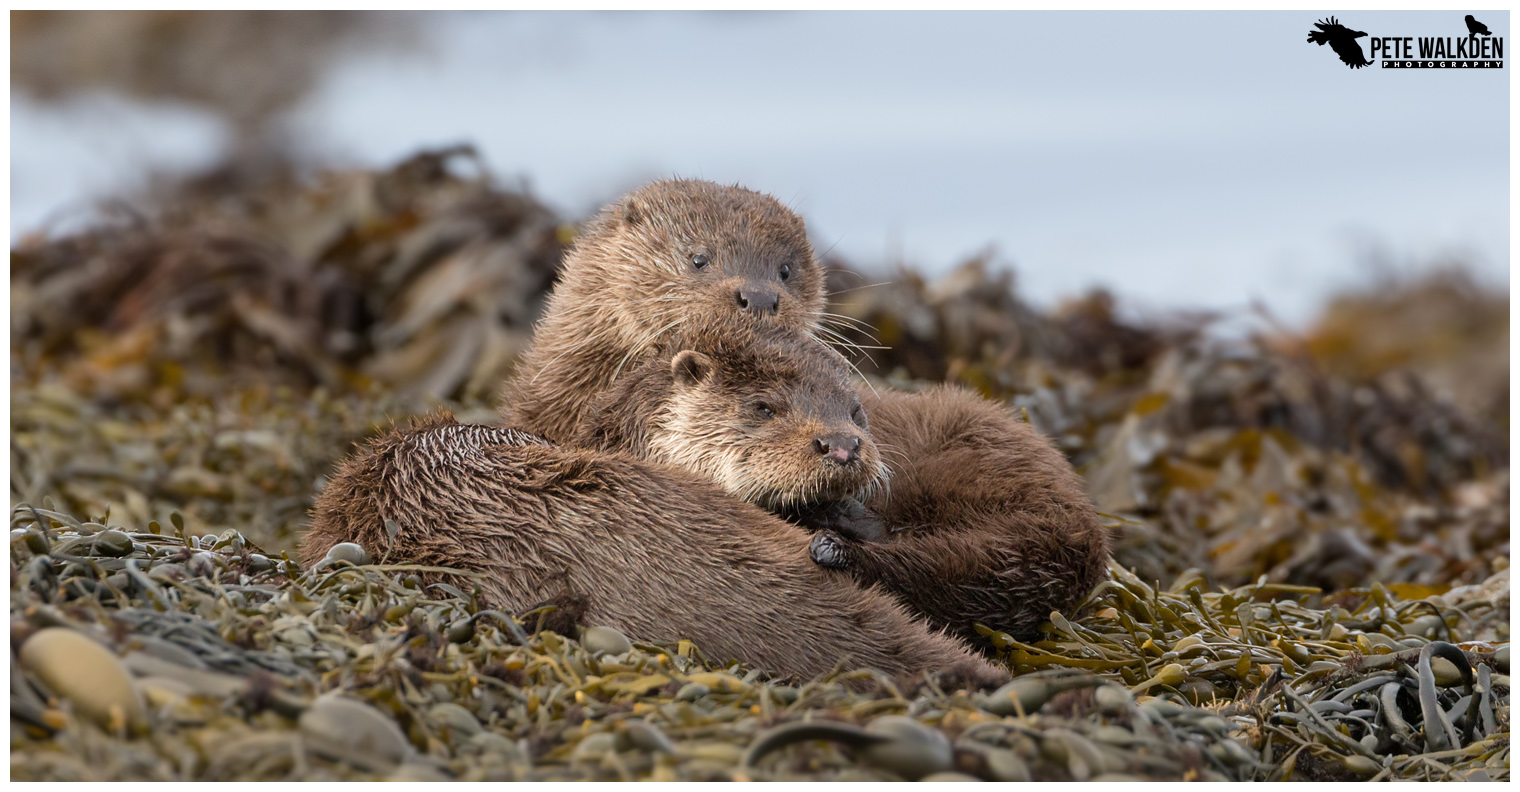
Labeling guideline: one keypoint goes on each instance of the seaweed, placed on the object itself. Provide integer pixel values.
(1327, 508)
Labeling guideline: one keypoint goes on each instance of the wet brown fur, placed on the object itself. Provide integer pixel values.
(628, 283)
(749, 424)
(990, 522)
(651, 550)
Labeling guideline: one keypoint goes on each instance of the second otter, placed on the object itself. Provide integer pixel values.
(651, 549)
(770, 418)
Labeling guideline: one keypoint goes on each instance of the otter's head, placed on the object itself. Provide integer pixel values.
(774, 422)
(694, 254)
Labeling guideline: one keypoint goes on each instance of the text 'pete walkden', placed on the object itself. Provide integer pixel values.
(1436, 52)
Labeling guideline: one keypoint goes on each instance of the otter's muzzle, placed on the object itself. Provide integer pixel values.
(838, 448)
(758, 300)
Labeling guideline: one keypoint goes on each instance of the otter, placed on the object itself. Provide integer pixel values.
(675, 255)
(979, 510)
(773, 421)
(985, 522)
(649, 548)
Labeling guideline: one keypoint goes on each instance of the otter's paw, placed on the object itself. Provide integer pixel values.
(828, 550)
(847, 517)
(854, 520)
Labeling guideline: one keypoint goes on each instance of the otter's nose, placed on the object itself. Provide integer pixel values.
(758, 300)
(839, 448)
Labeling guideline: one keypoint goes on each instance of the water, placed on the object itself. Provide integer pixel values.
(1182, 159)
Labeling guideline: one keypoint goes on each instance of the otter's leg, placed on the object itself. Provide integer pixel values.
(987, 522)
(655, 552)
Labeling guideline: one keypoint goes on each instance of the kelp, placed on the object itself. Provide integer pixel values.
(254, 668)
(1310, 576)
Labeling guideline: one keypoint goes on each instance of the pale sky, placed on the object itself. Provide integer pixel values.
(1183, 159)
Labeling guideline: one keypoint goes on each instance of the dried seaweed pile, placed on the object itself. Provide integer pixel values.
(162, 655)
(1317, 458)
(1330, 506)
(417, 278)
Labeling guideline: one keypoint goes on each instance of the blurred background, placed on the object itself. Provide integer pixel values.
(1202, 160)
(1259, 299)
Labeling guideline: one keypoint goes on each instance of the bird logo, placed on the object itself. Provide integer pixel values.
(1475, 28)
(1343, 40)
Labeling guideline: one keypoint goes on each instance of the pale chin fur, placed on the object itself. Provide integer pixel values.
(746, 487)
(729, 467)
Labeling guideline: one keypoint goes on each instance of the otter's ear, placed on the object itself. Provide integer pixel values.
(631, 211)
(691, 368)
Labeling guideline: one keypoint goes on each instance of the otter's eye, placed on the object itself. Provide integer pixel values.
(699, 261)
(858, 416)
(764, 410)
(786, 272)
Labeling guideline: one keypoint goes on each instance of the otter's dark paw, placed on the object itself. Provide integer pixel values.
(828, 550)
(847, 517)
(853, 519)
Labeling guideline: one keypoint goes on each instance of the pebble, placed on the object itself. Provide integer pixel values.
(258, 562)
(84, 672)
(1005, 765)
(111, 543)
(913, 752)
(1445, 673)
(691, 691)
(1501, 658)
(1199, 691)
(1113, 735)
(346, 551)
(948, 776)
(647, 737)
(1112, 699)
(340, 728)
(593, 746)
(493, 744)
(605, 640)
(459, 721)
